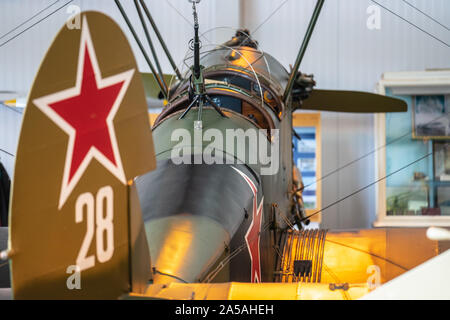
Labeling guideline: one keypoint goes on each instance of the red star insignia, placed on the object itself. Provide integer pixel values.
(252, 237)
(86, 113)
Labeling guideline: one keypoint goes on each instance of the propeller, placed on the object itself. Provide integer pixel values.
(352, 101)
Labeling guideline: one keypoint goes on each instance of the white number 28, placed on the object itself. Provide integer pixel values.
(99, 219)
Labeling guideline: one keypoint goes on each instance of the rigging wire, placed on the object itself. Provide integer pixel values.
(150, 43)
(8, 153)
(270, 16)
(180, 14)
(37, 22)
(366, 155)
(336, 278)
(29, 19)
(365, 187)
(370, 253)
(426, 15)
(255, 31)
(14, 109)
(141, 47)
(161, 40)
(410, 23)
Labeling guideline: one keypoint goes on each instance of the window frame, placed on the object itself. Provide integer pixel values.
(404, 83)
(306, 119)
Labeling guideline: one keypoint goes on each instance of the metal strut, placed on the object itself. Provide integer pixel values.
(197, 83)
(141, 47)
(161, 40)
(302, 50)
(150, 43)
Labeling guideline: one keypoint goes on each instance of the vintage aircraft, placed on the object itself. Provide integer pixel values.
(102, 206)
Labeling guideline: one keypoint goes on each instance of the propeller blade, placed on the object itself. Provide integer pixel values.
(352, 101)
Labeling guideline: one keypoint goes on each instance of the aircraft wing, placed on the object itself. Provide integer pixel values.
(250, 291)
(428, 281)
(345, 265)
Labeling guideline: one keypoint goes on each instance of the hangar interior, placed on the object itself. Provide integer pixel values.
(343, 54)
(394, 48)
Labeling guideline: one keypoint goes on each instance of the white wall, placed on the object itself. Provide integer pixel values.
(20, 58)
(343, 54)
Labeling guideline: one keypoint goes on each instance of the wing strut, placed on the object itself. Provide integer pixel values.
(150, 42)
(303, 47)
(150, 64)
(161, 40)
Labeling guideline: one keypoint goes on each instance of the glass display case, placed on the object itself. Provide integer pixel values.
(413, 150)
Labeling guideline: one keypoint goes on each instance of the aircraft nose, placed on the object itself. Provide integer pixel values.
(191, 212)
(183, 247)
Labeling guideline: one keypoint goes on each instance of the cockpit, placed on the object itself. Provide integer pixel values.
(242, 80)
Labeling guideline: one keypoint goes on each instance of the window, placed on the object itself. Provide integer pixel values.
(413, 150)
(307, 158)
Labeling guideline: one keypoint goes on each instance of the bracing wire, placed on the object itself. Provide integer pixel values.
(34, 24)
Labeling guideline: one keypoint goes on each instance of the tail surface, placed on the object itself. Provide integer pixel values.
(75, 225)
